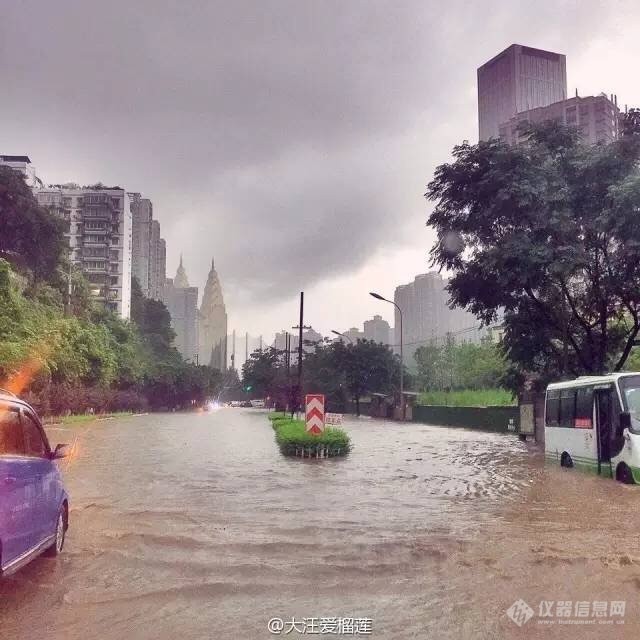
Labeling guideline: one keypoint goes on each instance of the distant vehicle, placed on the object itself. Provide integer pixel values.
(236, 403)
(258, 404)
(34, 506)
(593, 423)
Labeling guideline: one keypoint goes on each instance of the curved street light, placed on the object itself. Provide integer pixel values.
(342, 335)
(377, 296)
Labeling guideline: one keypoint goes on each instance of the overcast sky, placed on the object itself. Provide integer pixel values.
(290, 140)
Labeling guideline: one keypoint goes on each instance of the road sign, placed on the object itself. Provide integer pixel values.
(333, 418)
(314, 414)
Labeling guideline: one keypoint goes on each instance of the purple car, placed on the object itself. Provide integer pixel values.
(34, 506)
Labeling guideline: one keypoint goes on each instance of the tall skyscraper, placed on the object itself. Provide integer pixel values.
(518, 79)
(181, 301)
(99, 237)
(141, 218)
(159, 267)
(158, 262)
(212, 324)
(427, 317)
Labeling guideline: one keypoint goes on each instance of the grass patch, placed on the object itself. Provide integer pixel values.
(85, 417)
(468, 398)
(293, 439)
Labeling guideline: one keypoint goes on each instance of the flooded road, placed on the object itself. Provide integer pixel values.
(193, 526)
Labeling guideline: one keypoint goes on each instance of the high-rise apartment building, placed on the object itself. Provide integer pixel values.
(427, 317)
(158, 262)
(99, 235)
(597, 118)
(149, 255)
(377, 330)
(159, 267)
(141, 218)
(518, 79)
(181, 301)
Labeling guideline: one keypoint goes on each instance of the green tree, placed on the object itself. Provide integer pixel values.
(546, 231)
(325, 372)
(264, 373)
(370, 367)
(631, 123)
(31, 237)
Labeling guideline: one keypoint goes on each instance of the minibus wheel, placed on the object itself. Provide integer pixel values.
(623, 474)
(566, 461)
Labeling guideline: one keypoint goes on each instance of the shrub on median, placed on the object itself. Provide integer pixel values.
(294, 440)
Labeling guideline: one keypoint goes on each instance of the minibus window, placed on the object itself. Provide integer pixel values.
(552, 410)
(584, 408)
(567, 407)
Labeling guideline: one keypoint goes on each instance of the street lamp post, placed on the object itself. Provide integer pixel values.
(342, 335)
(377, 296)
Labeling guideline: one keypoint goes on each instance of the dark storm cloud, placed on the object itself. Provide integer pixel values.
(259, 129)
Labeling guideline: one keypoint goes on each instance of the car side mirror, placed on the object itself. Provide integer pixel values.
(625, 421)
(60, 452)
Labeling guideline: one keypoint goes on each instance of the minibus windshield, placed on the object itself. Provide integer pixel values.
(630, 388)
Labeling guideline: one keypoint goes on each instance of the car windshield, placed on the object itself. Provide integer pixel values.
(630, 387)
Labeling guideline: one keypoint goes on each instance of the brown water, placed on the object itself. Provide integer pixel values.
(194, 526)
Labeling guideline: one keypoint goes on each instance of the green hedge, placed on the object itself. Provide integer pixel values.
(485, 418)
(294, 440)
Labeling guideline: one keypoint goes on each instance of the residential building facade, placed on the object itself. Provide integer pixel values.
(24, 166)
(377, 330)
(99, 236)
(597, 118)
(427, 317)
(141, 219)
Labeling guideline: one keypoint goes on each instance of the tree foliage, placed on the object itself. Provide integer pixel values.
(337, 370)
(61, 349)
(31, 238)
(547, 232)
(460, 366)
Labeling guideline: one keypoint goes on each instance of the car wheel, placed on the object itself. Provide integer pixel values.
(56, 548)
(623, 474)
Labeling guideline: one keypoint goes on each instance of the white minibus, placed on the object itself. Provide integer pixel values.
(593, 423)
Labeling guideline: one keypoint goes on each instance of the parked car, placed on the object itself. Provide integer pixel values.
(34, 505)
(258, 404)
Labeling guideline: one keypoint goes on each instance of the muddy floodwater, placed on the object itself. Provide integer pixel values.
(193, 526)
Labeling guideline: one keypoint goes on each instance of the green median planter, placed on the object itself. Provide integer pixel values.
(293, 439)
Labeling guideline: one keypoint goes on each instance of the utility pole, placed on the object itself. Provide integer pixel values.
(260, 344)
(300, 328)
(246, 346)
(287, 362)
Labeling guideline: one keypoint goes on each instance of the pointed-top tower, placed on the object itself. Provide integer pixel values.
(181, 281)
(212, 319)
